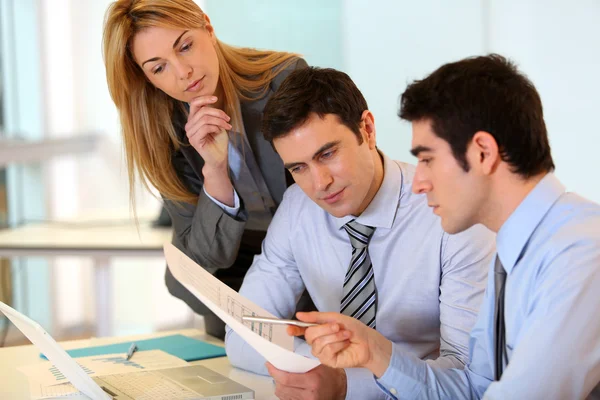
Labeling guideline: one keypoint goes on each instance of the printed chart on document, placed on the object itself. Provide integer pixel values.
(47, 374)
(232, 302)
(237, 310)
(270, 341)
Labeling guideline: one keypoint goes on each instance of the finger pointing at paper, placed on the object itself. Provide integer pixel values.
(340, 341)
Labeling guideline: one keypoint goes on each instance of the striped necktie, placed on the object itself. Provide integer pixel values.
(359, 299)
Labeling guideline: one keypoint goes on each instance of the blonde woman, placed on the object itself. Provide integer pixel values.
(190, 108)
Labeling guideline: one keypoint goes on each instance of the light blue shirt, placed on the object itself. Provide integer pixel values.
(550, 249)
(429, 284)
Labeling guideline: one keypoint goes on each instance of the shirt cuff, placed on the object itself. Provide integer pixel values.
(360, 385)
(231, 211)
(396, 375)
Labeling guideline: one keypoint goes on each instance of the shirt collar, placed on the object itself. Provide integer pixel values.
(381, 212)
(520, 225)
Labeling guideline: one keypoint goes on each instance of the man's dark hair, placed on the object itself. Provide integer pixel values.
(488, 94)
(313, 90)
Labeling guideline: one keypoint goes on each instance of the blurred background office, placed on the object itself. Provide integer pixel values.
(53, 90)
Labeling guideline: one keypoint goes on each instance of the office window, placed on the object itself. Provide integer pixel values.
(5, 272)
(3, 212)
(22, 197)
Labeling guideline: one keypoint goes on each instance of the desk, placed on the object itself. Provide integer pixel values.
(100, 242)
(15, 386)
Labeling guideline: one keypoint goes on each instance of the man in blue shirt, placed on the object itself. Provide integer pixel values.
(353, 235)
(484, 157)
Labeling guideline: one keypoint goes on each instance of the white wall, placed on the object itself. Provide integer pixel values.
(390, 43)
(308, 27)
(556, 43)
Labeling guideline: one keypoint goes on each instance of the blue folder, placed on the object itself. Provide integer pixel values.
(181, 346)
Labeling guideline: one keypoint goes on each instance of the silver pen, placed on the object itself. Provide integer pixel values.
(277, 321)
(131, 350)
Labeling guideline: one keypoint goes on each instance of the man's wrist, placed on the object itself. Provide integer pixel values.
(381, 354)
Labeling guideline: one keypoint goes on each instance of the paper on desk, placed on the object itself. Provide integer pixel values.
(45, 373)
(38, 391)
(270, 341)
(57, 354)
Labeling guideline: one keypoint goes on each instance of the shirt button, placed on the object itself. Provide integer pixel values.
(393, 391)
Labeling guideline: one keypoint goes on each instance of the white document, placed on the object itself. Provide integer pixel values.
(38, 391)
(271, 341)
(46, 374)
(54, 352)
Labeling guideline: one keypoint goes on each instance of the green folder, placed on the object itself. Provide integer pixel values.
(181, 346)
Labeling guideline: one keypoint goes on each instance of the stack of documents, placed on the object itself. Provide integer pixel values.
(46, 381)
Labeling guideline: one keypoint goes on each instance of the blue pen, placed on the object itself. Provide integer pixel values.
(131, 350)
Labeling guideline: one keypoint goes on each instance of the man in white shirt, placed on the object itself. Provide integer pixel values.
(352, 233)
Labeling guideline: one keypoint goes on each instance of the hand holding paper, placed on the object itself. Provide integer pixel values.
(273, 344)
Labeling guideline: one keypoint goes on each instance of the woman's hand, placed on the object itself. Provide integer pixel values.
(206, 130)
(343, 342)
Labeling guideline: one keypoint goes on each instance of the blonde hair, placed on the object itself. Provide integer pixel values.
(146, 113)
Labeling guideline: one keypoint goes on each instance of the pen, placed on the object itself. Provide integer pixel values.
(131, 350)
(277, 321)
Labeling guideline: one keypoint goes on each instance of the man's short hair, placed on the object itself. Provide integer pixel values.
(313, 90)
(485, 93)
